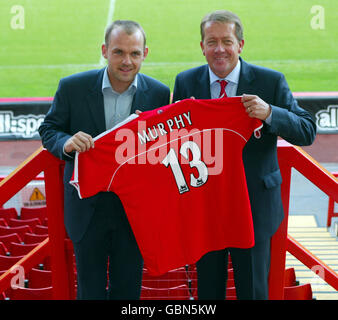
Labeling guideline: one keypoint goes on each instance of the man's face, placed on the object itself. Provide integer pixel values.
(125, 54)
(221, 47)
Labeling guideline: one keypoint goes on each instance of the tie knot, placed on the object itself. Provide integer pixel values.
(223, 84)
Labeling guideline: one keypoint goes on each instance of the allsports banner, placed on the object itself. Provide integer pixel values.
(20, 118)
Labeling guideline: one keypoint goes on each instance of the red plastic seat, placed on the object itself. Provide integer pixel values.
(7, 262)
(3, 249)
(29, 222)
(34, 238)
(29, 213)
(39, 229)
(21, 230)
(301, 292)
(20, 249)
(31, 294)
(46, 264)
(173, 278)
(39, 278)
(3, 222)
(176, 293)
(8, 213)
(290, 278)
(7, 239)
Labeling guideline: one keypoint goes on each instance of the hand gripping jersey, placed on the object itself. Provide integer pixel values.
(179, 174)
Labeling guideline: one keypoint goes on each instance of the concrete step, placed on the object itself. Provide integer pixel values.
(322, 244)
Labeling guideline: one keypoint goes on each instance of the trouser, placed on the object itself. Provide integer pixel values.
(251, 271)
(110, 241)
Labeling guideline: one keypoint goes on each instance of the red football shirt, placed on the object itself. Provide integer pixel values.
(179, 173)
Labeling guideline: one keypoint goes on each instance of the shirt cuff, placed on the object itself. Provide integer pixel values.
(66, 154)
(269, 118)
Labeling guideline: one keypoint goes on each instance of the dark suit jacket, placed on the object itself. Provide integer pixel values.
(78, 106)
(289, 121)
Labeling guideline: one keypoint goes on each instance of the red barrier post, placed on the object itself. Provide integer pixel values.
(57, 233)
(279, 239)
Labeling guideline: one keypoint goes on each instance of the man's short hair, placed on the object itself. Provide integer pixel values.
(223, 16)
(128, 26)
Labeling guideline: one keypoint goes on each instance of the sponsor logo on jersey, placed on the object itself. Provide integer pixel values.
(25, 126)
(328, 119)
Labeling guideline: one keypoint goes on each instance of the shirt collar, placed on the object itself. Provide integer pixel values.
(233, 76)
(106, 83)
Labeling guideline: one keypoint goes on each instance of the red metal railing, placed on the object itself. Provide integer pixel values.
(330, 210)
(60, 247)
(294, 157)
(39, 161)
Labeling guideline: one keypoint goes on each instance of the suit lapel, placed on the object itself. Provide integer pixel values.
(203, 84)
(140, 97)
(96, 104)
(246, 79)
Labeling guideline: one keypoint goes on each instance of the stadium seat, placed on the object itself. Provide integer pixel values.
(3, 249)
(20, 222)
(8, 261)
(290, 278)
(29, 213)
(21, 231)
(34, 238)
(40, 229)
(8, 213)
(39, 278)
(300, 292)
(176, 293)
(173, 278)
(31, 294)
(7, 239)
(3, 222)
(20, 249)
(45, 264)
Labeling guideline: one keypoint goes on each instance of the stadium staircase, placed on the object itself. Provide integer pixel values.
(45, 269)
(323, 245)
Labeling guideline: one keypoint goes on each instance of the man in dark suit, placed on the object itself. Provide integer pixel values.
(266, 96)
(85, 105)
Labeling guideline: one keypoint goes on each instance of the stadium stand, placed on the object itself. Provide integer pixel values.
(21, 230)
(180, 283)
(30, 237)
(21, 249)
(29, 213)
(8, 213)
(39, 278)
(40, 229)
(290, 278)
(3, 222)
(173, 293)
(22, 222)
(30, 293)
(7, 239)
(3, 249)
(300, 292)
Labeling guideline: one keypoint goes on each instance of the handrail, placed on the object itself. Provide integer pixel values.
(289, 157)
(42, 160)
(312, 262)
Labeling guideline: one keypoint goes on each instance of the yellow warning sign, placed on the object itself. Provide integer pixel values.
(36, 195)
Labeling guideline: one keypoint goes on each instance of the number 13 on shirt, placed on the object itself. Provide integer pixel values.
(172, 160)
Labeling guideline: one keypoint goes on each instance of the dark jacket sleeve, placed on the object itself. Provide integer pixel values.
(289, 121)
(53, 130)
